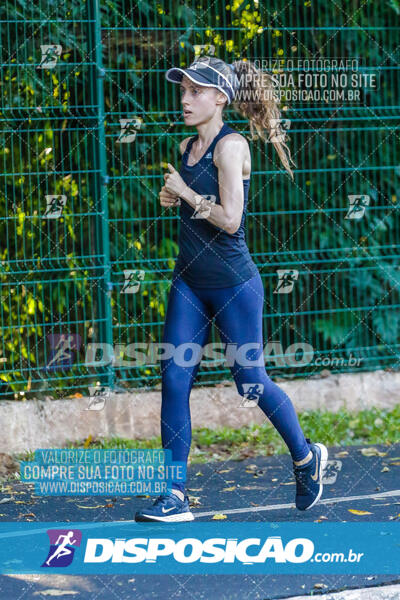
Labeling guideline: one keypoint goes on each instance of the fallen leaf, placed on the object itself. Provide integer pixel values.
(52, 592)
(4, 500)
(199, 473)
(229, 489)
(320, 585)
(219, 517)
(97, 506)
(359, 512)
(385, 469)
(395, 462)
(341, 454)
(371, 452)
(87, 441)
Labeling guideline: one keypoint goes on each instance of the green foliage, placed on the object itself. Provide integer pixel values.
(52, 271)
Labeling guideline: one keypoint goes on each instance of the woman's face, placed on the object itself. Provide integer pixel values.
(199, 103)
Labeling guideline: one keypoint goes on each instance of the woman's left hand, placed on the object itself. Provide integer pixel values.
(174, 183)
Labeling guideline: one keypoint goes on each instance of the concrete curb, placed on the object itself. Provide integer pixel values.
(50, 423)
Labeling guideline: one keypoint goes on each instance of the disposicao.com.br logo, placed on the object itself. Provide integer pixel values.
(212, 550)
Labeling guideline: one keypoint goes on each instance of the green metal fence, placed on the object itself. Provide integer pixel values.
(88, 123)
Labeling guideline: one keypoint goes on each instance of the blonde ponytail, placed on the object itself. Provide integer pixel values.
(255, 99)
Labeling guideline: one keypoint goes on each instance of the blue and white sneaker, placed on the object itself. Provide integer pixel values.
(309, 477)
(168, 508)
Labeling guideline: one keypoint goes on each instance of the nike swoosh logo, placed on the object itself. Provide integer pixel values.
(315, 476)
(165, 510)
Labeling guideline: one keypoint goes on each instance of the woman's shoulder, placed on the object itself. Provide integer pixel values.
(232, 142)
(233, 138)
(183, 144)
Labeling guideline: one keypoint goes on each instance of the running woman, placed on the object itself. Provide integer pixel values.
(215, 277)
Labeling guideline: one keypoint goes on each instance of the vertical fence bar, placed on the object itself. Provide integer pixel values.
(102, 241)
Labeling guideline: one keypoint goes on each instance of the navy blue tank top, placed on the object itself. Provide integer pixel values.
(209, 256)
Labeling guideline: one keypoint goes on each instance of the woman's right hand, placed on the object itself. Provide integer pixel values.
(167, 199)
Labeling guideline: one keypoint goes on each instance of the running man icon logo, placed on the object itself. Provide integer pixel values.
(358, 204)
(203, 206)
(64, 347)
(277, 129)
(203, 50)
(132, 281)
(129, 129)
(54, 206)
(331, 471)
(251, 394)
(287, 277)
(62, 546)
(50, 56)
(98, 396)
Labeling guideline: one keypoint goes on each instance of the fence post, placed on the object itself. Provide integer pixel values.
(97, 73)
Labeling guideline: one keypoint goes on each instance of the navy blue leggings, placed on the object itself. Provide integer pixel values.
(237, 311)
